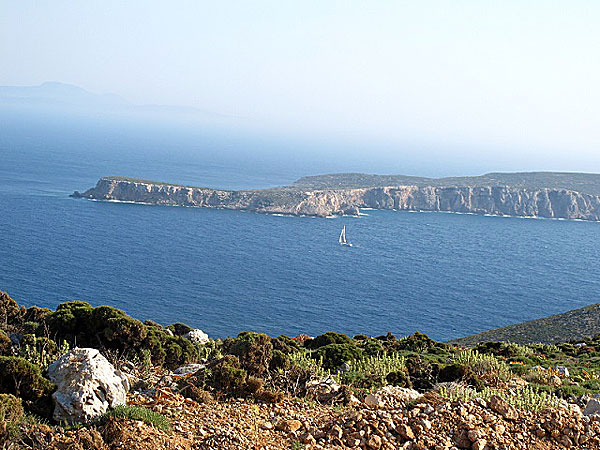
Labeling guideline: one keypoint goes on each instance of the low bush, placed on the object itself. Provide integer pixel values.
(280, 361)
(286, 344)
(327, 339)
(11, 314)
(423, 375)
(23, 379)
(5, 344)
(418, 342)
(334, 355)
(179, 329)
(371, 347)
(253, 350)
(225, 376)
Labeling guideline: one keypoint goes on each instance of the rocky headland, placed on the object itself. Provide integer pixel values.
(141, 386)
(346, 194)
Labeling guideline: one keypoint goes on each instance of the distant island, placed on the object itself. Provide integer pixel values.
(533, 194)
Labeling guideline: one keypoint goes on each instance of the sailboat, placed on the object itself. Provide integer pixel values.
(342, 239)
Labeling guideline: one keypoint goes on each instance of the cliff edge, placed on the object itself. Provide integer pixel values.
(557, 203)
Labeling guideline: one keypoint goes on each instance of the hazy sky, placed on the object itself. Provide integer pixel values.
(515, 81)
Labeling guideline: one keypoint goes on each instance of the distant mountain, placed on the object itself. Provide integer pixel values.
(58, 93)
(66, 96)
(573, 325)
(586, 183)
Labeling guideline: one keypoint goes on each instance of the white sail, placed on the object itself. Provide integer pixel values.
(343, 236)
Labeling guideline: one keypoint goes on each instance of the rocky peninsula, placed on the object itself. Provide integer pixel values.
(547, 195)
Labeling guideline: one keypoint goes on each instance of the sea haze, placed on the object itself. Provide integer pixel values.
(447, 275)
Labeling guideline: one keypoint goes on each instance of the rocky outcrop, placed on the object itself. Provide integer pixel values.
(87, 386)
(493, 200)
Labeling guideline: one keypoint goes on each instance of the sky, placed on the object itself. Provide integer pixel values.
(512, 84)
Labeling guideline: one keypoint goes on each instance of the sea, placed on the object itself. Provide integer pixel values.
(446, 275)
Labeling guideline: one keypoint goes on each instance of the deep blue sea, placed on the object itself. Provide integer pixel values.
(446, 275)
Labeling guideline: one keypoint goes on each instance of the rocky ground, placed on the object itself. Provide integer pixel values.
(390, 418)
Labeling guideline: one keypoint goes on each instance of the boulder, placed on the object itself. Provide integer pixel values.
(197, 337)
(592, 407)
(391, 397)
(87, 385)
(323, 389)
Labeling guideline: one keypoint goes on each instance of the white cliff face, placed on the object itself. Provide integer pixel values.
(495, 200)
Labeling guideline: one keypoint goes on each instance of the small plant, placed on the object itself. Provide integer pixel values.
(145, 415)
(374, 368)
(297, 445)
(303, 360)
(42, 351)
(481, 363)
(528, 398)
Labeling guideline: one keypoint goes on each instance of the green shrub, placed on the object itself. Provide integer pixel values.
(334, 355)
(5, 344)
(327, 339)
(152, 324)
(145, 415)
(360, 337)
(72, 320)
(418, 342)
(506, 349)
(22, 379)
(179, 329)
(11, 315)
(399, 378)
(30, 328)
(423, 375)
(285, 344)
(254, 352)
(280, 361)
(225, 376)
(35, 314)
(460, 372)
(371, 347)
(179, 351)
(118, 329)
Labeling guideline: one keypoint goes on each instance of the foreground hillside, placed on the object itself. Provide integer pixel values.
(139, 385)
(573, 325)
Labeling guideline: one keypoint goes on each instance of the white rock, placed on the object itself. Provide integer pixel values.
(189, 368)
(391, 397)
(197, 336)
(87, 385)
(323, 389)
(563, 371)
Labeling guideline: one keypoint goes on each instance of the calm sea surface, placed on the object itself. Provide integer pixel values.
(447, 275)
